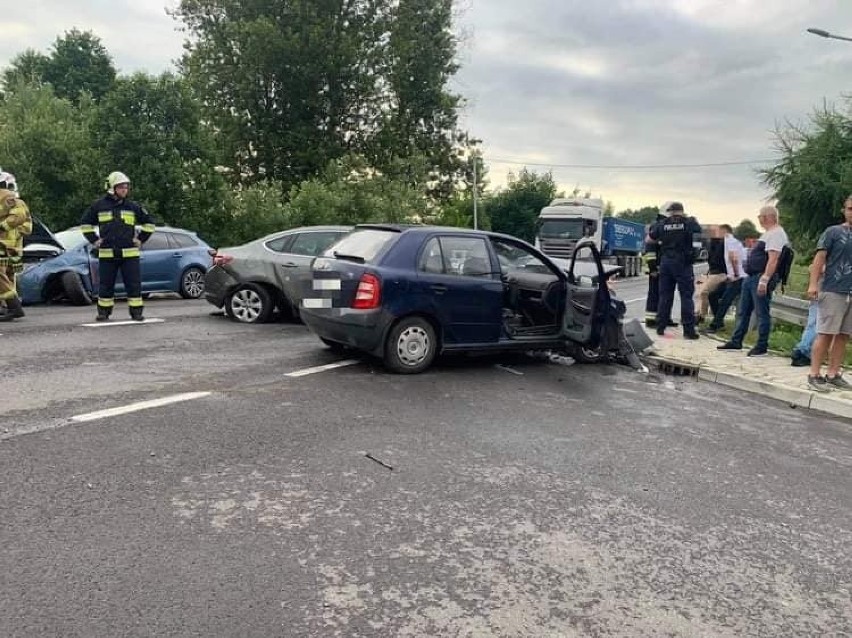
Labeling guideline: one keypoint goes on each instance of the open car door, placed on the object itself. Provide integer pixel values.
(588, 295)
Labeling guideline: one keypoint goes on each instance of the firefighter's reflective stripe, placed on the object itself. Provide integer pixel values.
(106, 303)
(105, 216)
(106, 253)
(85, 228)
(134, 302)
(129, 252)
(128, 217)
(148, 228)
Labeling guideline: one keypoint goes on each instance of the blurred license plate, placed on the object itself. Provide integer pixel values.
(326, 284)
(317, 303)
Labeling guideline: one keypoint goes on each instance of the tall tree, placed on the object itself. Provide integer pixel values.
(25, 68)
(151, 128)
(45, 142)
(286, 83)
(421, 112)
(515, 209)
(79, 63)
(814, 174)
(293, 84)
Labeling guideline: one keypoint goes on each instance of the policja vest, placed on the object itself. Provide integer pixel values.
(675, 237)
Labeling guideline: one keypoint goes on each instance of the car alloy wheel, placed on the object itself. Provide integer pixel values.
(192, 283)
(250, 304)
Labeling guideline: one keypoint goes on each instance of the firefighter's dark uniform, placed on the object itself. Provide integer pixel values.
(652, 269)
(116, 220)
(675, 236)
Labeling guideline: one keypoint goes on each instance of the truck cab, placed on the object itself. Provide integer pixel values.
(565, 221)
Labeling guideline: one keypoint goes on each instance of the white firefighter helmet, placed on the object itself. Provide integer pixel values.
(8, 181)
(114, 179)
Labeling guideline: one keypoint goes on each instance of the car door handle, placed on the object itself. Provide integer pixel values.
(289, 264)
(439, 288)
(176, 255)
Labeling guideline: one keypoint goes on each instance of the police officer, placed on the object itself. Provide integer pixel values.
(675, 235)
(15, 222)
(118, 244)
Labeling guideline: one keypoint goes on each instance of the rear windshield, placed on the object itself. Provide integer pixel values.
(362, 244)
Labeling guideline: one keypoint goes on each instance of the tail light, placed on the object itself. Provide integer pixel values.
(220, 259)
(369, 293)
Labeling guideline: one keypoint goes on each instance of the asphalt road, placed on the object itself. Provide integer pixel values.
(501, 496)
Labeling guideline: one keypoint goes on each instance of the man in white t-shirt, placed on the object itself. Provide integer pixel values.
(735, 259)
(761, 280)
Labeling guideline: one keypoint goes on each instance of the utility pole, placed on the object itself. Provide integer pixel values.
(475, 188)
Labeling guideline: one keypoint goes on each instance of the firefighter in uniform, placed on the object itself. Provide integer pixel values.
(118, 243)
(651, 260)
(15, 222)
(675, 235)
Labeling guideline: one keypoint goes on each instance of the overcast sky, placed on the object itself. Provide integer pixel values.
(550, 83)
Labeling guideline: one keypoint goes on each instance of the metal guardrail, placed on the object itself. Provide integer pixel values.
(789, 309)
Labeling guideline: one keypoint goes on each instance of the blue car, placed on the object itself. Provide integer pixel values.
(409, 293)
(61, 266)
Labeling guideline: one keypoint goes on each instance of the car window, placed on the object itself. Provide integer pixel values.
(313, 243)
(513, 257)
(431, 259)
(70, 238)
(466, 256)
(363, 244)
(182, 240)
(157, 241)
(280, 244)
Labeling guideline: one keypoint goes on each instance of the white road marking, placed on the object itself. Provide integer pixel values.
(315, 369)
(637, 300)
(104, 324)
(142, 405)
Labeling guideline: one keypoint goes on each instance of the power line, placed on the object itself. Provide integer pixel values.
(499, 160)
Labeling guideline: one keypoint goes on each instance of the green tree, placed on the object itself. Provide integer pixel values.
(151, 129)
(290, 85)
(78, 63)
(746, 230)
(350, 191)
(286, 83)
(644, 215)
(421, 113)
(814, 174)
(45, 141)
(515, 209)
(25, 68)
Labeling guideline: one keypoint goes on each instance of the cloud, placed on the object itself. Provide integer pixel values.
(554, 82)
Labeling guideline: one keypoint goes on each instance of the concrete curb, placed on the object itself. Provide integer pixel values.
(791, 396)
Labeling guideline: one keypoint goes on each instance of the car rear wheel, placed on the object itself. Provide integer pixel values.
(192, 283)
(75, 289)
(249, 304)
(411, 346)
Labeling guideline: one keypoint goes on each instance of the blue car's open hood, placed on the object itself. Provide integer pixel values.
(41, 235)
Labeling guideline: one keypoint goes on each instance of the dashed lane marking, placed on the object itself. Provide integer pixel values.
(106, 324)
(330, 366)
(141, 405)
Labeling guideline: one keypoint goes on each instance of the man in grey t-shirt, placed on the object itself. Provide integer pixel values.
(834, 301)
